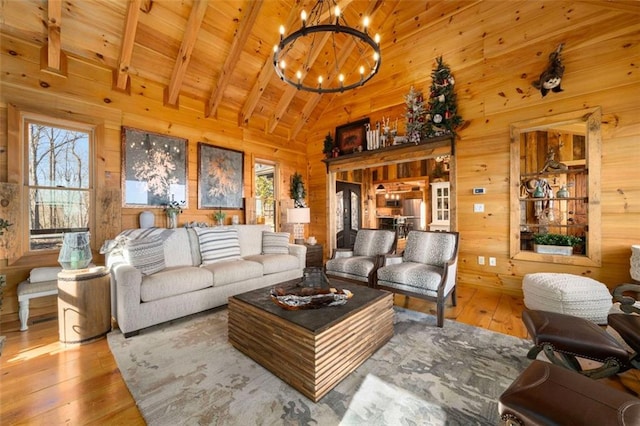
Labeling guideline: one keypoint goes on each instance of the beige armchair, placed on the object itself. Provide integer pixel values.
(361, 263)
(427, 269)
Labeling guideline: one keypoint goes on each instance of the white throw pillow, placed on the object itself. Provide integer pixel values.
(275, 242)
(218, 244)
(146, 254)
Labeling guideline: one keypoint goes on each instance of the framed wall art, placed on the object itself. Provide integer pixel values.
(154, 168)
(220, 177)
(351, 137)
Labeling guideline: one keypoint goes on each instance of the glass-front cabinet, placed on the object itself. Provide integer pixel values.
(440, 206)
(555, 168)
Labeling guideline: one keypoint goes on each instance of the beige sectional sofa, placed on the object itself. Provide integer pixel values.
(161, 274)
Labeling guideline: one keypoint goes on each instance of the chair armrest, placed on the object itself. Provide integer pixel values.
(340, 253)
(391, 259)
(627, 302)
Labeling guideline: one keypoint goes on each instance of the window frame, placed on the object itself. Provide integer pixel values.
(19, 121)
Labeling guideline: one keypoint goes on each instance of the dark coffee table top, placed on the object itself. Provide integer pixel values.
(314, 320)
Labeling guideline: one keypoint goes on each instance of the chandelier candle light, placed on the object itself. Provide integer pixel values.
(297, 65)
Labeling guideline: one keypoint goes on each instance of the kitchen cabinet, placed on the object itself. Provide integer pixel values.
(440, 206)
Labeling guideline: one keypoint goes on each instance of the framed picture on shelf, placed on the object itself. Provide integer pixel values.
(351, 137)
(154, 168)
(220, 175)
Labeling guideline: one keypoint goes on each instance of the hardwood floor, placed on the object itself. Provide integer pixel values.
(44, 382)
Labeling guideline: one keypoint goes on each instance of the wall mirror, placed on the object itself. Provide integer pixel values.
(555, 189)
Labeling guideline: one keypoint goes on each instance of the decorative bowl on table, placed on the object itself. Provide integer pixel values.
(296, 298)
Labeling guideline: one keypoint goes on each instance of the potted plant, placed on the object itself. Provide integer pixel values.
(172, 209)
(555, 243)
(219, 217)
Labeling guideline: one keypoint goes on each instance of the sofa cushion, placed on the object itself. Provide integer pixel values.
(275, 242)
(174, 281)
(233, 271)
(251, 238)
(274, 263)
(218, 244)
(177, 249)
(145, 254)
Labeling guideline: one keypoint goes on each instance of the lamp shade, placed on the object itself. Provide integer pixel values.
(299, 215)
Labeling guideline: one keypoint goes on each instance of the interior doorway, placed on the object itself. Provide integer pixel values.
(348, 217)
(265, 184)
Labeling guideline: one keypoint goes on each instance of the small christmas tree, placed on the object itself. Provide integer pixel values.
(415, 115)
(442, 117)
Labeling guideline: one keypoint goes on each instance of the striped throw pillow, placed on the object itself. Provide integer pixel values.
(275, 242)
(218, 244)
(145, 254)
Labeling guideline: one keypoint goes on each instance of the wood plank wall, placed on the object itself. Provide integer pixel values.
(87, 95)
(495, 50)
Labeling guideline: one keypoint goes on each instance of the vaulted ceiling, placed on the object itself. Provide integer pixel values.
(217, 52)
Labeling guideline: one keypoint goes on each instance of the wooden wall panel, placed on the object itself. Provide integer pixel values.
(499, 50)
(86, 95)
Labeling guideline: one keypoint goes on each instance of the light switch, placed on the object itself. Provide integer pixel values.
(478, 208)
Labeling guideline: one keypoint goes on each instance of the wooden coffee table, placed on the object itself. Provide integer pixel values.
(311, 350)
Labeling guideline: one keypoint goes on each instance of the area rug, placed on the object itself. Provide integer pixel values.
(185, 372)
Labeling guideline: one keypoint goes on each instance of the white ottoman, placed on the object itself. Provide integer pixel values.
(567, 294)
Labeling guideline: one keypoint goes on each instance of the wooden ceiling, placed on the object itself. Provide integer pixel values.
(218, 52)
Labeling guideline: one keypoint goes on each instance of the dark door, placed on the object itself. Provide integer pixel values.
(348, 213)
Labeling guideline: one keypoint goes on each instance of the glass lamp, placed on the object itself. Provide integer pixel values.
(298, 217)
(75, 252)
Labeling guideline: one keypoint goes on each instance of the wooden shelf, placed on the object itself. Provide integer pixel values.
(555, 173)
(401, 152)
(585, 199)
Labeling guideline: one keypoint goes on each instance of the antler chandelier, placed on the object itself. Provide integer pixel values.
(340, 46)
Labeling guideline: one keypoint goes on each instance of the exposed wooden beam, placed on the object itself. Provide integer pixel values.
(263, 79)
(244, 30)
(146, 6)
(186, 49)
(52, 58)
(126, 50)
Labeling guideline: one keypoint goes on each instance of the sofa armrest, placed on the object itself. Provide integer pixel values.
(127, 280)
(300, 252)
(392, 259)
(341, 253)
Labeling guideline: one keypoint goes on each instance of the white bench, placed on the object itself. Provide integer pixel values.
(42, 282)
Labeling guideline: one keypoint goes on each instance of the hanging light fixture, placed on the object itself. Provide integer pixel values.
(294, 58)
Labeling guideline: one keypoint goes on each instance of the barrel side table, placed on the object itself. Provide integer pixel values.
(84, 305)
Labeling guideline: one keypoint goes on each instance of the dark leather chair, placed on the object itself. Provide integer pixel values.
(547, 394)
(565, 338)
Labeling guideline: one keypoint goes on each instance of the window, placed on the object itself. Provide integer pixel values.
(265, 194)
(58, 180)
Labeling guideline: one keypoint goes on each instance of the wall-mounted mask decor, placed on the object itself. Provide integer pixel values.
(551, 78)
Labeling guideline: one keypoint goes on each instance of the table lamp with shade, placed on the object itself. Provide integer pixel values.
(298, 217)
